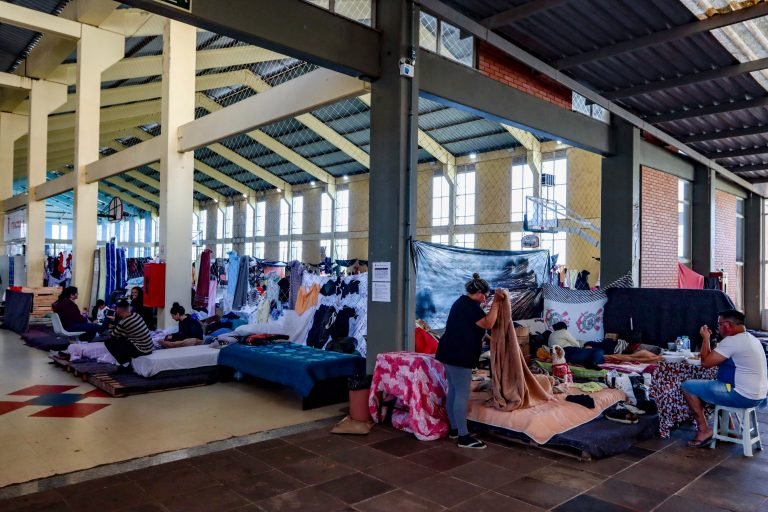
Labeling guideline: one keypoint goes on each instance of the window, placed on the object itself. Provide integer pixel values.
(283, 256)
(229, 213)
(465, 240)
(285, 217)
(297, 215)
(556, 244)
(326, 213)
(554, 180)
(141, 230)
(740, 230)
(516, 241)
(220, 250)
(326, 244)
(258, 250)
(522, 187)
(296, 250)
(219, 224)
(441, 239)
(342, 210)
(441, 194)
(125, 231)
(684, 221)
(261, 218)
(202, 224)
(227, 248)
(465, 197)
(440, 37)
(249, 215)
(341, 250)
(357, 10)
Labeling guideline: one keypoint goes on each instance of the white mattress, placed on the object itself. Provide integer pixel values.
(182, 358)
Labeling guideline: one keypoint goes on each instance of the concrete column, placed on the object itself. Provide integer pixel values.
(754, 270)
(703, 220)
(97, 50)
(12, 127)
(238, 225)
(44, 98)
(620, 207)
(394, 148)
(176, 169)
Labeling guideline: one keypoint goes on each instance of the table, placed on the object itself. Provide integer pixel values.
(666, 391)
(418, 384)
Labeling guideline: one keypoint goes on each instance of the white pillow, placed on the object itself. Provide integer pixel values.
(581, 310)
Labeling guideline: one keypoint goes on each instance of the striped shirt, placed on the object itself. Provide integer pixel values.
(134, 330)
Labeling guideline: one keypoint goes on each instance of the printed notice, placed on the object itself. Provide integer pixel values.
(382, 292)
(382, 271)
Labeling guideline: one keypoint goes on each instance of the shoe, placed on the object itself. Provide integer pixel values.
(453, 433)
(471, 442)
(631, 408)
(621, 415)
(693, 443)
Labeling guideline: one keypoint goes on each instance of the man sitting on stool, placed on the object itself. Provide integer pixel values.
(746, 388)
(129, 336)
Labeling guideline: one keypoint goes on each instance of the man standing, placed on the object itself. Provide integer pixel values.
(129, 336)
(746, 387)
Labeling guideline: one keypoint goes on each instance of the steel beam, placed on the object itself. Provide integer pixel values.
(726, 134)
(293, 28)
(521, 12)
(665, 36)
(693, 78)
(300, 95)
(710, 110)
(762, 150)
(464, 88)
(749, 168)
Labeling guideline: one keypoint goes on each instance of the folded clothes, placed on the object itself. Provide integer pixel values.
(589, 387)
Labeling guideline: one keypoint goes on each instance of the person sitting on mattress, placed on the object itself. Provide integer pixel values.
(129, 336)
(71, 318)
(742, 380)
(459, 351)
(137, 306)
(190, 329)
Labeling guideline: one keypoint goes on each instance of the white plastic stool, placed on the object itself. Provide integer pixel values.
(745, 433)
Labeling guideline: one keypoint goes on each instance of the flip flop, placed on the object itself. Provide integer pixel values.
(693, 443)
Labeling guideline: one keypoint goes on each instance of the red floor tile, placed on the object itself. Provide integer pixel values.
(42, 390)
(97, 393)
(10, 406)
(69, 411)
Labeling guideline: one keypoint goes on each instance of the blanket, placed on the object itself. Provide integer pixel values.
(546, 419)
(513, 384)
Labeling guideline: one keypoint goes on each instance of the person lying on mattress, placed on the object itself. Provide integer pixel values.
(190, 329)
(459, 351)
(590, 355)
(129, 336)
(741, 377)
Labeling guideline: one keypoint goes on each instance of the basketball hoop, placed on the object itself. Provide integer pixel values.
(115, 211)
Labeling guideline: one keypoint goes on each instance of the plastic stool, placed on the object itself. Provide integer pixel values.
(746, 433)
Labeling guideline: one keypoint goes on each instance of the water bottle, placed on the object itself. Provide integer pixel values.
(679, 344)
(686, 343)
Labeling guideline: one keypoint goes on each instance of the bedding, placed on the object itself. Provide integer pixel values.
(182, 358)
(296, 366)
(293, 325)
(542, 422)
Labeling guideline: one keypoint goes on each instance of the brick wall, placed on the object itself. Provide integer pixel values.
(658, 243)
(725, 241)
(495, 64)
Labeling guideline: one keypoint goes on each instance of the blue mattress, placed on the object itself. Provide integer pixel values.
(289, 364)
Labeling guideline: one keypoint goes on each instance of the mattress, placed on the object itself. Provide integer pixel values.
(297, 366)
(182, 358)
(543, 422)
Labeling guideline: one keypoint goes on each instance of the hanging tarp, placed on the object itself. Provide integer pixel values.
(442, 271)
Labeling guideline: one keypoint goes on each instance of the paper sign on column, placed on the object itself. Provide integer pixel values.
(382, 271)
(381, 292)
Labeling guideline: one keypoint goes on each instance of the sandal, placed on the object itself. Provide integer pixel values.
(694, 443)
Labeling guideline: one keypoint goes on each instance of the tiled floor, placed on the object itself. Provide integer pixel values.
(53, 423)
(387, 471)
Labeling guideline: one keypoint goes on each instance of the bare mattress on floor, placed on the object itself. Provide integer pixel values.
(182, 358)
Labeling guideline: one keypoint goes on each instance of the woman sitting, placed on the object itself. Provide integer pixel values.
(71, 318)
(190, 329)
(137, 306)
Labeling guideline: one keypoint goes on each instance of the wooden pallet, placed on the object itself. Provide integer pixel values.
(42, 300)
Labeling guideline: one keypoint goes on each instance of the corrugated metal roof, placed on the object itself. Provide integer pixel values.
(579, 26)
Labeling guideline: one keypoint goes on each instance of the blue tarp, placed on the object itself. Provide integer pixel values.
(442, 271)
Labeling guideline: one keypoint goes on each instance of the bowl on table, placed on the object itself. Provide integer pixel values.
(673, 357)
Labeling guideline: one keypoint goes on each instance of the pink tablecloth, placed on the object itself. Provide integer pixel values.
(418, 383)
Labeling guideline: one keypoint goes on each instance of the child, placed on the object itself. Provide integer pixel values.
(99, 312)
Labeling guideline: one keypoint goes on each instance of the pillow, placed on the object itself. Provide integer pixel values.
(582, 310)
